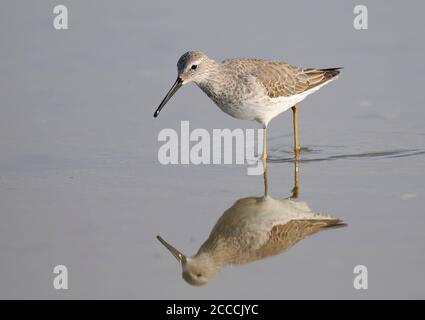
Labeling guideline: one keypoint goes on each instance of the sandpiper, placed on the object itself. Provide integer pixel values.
(253, 228)
(251, 89)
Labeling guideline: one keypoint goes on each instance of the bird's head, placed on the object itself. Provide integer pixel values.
(197, 270)
(193, 66)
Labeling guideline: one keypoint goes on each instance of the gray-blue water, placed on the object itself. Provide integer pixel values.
(81, 185)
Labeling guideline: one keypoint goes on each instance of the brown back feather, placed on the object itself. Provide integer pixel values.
(283, 237)
(282, 79)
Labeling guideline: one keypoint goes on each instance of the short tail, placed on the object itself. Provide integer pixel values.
(335, 224)
(331, 72)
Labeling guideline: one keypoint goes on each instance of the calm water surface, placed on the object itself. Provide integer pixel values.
(80, 183)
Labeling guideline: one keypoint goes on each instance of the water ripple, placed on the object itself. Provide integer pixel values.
(312, 154)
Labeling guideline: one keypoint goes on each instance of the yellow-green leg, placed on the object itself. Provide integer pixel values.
(265, 143)
(266, 184)
(297, 147)
(295, 189)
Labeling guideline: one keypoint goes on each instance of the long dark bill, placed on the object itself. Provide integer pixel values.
(176, 86)
(176, 253)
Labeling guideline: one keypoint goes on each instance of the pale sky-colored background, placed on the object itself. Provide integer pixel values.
(80, 183)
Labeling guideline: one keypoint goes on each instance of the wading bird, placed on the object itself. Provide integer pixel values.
(251, 89)
(253, 228)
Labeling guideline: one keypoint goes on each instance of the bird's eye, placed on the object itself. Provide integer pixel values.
(199, 275)
(194, 66)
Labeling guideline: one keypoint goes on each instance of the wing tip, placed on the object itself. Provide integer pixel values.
(332, 72)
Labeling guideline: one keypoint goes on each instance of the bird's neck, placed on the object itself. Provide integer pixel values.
(218, 251)
(209, 259)
(212, 82)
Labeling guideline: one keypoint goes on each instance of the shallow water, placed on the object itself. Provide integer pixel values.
(80, 183)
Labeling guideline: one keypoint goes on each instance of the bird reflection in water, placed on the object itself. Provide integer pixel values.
(253, 228)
